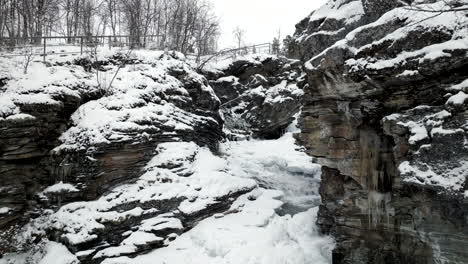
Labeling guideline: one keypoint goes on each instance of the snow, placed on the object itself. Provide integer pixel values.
(58, 254)
(40, 86)
(47, 252)
(460, 86)
(443, 131)
(222, 63)
(253, 235)
(453, 179)
(458, 99)
(273, 183)
(431, 52)
(229, 79)
(273, 222)
(414, 21)
(252, 230)
(274, 95)
(60, 188)
(338, 10)
(4, 210)
(408, 73)
(418, 131)
(82, 220)
(21, 117)
(147, 99)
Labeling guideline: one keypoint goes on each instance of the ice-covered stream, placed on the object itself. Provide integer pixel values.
(274, 224)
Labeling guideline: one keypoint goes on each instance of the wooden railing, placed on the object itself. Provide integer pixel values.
(57, 45)
(42, 46)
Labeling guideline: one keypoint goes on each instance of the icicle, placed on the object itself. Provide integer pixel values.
(378, 205)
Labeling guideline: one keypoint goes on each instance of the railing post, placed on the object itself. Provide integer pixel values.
(45, 48)
(81, 45)
(110, 42)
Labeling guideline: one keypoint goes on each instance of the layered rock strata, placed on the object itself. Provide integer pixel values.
(69, 138)
(385, 113)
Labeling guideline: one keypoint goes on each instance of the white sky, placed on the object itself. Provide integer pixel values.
(261, 19)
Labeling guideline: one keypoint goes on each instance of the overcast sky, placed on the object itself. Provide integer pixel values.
(261, 19)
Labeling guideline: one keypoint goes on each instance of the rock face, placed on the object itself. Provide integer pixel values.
(385, 113)
(31, 121)
(259, 94)
(67, 141)
(332, 22)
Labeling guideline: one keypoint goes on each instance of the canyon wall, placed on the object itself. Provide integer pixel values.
(385, 113)
(66, 138)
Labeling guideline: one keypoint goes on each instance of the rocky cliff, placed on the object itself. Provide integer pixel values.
(108, 170)
(385, 112)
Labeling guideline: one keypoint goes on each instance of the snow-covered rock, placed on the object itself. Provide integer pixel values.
(72, 130)
(260, 94)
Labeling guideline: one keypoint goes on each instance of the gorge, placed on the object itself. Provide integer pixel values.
(351, 149)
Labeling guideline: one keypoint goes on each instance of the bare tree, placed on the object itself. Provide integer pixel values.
(28, 56)
(239, 36)
(183, 25)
